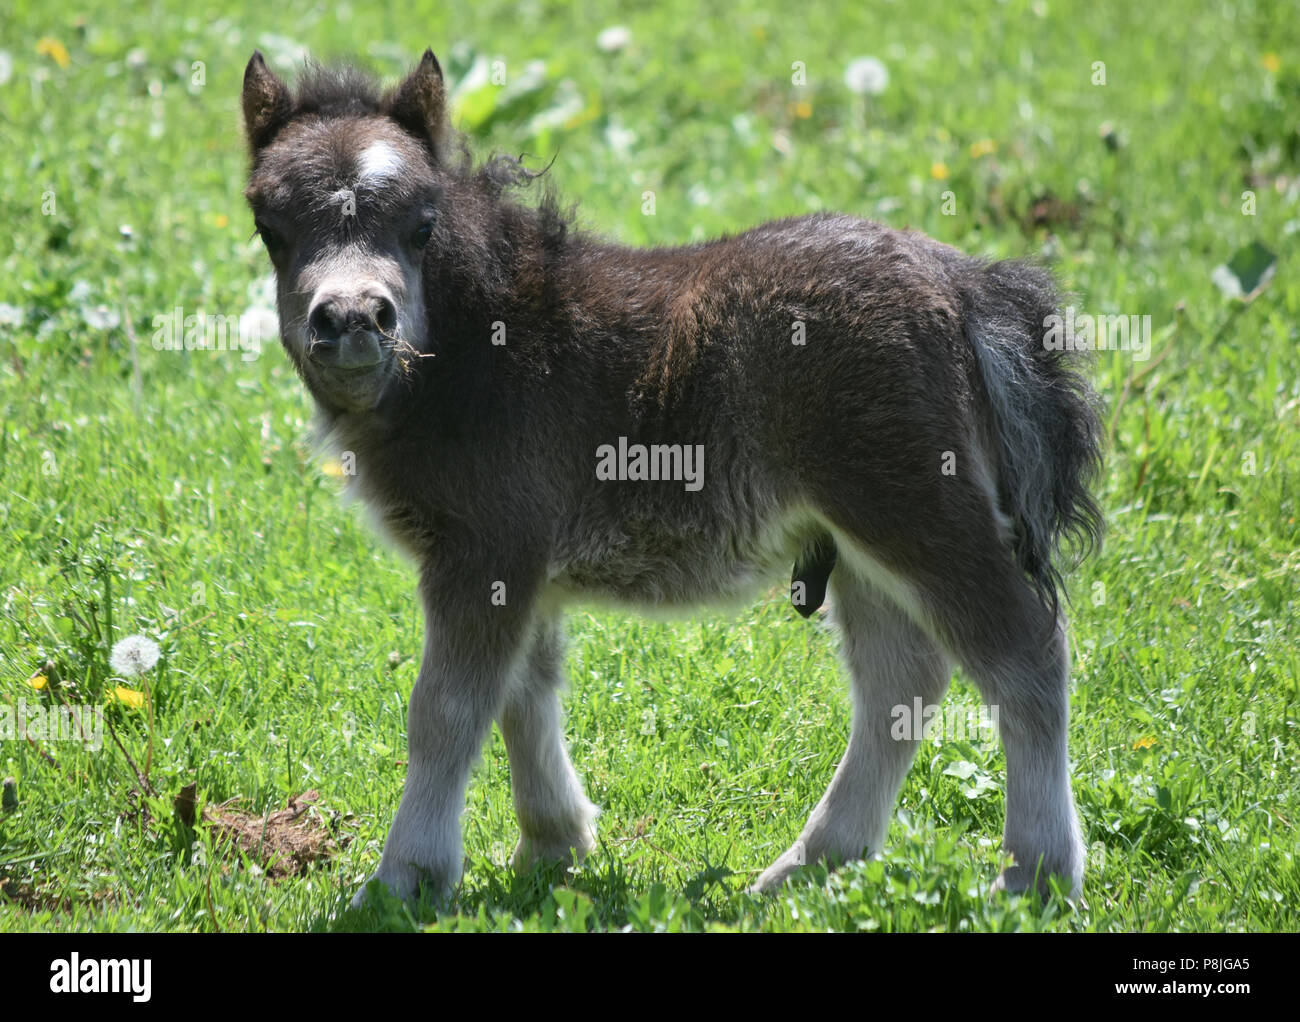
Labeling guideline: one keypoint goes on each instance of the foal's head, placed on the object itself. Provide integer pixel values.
(344, 188)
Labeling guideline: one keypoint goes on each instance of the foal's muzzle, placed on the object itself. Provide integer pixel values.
(347, 331)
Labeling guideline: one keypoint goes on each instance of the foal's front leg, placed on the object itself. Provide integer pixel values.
(472, 646)
(556, 821)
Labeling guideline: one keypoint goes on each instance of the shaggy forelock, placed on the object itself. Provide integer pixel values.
(337, 90)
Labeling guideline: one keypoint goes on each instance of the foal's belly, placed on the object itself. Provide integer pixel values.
(651, 565)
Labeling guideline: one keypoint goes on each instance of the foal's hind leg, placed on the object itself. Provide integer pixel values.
(555, 819)
(972, 597)
(891, 663)
(1017, 652)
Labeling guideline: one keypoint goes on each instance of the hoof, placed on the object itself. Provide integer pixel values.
(560, 852)
(774, 877)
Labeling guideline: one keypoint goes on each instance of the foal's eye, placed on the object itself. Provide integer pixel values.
(421, 236)
(274, 243)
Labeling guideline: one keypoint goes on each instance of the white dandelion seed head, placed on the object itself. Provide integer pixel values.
(614, 38)
(867, 76)
(133, 655)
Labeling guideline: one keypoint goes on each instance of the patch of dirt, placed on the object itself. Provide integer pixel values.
(1049, 211)
(1043, 211)
(284, 843)
(44, 898)
(31, 899)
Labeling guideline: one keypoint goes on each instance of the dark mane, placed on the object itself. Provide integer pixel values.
(500, 174)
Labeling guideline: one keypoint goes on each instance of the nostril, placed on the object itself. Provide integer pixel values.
(385, 316)
(325, 324)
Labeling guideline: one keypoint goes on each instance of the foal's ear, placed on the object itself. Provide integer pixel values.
(267, 103)
(419, 104)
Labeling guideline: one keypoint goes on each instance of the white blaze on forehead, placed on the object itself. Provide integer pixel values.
(378, 162)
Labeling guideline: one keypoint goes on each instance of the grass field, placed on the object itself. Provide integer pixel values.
(171, 493)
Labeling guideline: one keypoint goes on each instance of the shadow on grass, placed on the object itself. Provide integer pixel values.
(601, 895)
(928, 882)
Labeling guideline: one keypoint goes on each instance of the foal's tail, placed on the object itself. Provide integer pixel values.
(1045, 411)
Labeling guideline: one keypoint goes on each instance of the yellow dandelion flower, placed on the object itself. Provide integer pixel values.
(47, 46)
(333, 468)
(221, 220)
(130, 696)
(1271, 62)
(803, 110)
(1145, 743)
(984, 147)
(939, 171)
(38, 682)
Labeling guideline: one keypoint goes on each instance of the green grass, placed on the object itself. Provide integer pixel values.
(170, 493)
